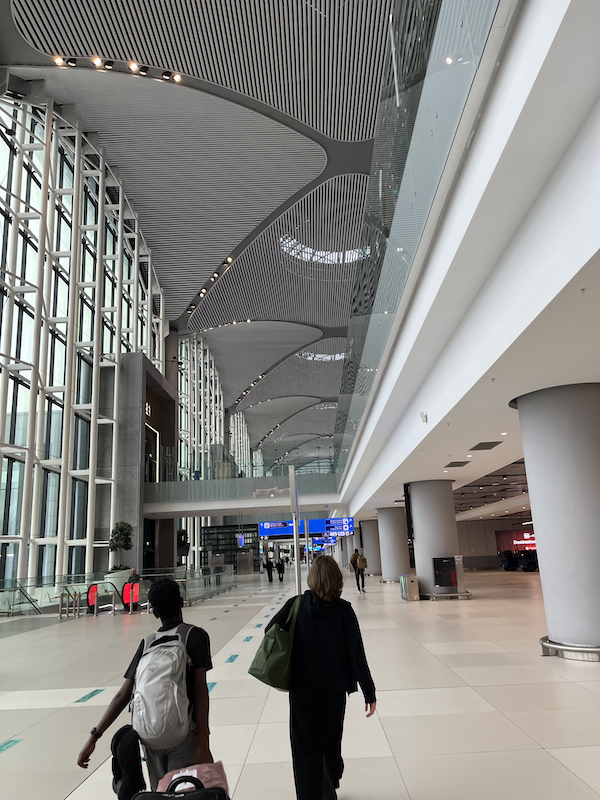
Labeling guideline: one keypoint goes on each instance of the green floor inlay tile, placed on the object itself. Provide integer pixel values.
(89, 696)
(8, 744)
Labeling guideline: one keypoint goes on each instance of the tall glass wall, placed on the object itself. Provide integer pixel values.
(435, 48)
(78, 289)
(201, 451)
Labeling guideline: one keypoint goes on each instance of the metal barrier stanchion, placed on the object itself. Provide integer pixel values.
(96, 605)
(60, 606)
(131, 601)
(78, 604)
(112, 610)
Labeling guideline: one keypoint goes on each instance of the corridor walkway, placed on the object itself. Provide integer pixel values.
(466, 708)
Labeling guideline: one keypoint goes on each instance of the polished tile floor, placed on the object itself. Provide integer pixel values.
(467, 707)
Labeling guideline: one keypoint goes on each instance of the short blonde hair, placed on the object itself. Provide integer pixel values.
(325, 579)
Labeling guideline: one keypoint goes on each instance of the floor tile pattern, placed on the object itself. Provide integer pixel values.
(467, 708)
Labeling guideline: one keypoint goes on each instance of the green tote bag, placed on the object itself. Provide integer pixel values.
(272, 663)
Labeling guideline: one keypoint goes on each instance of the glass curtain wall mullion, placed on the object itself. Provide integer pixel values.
(11, 265)
(97, 350)
(36, 398)
(64, 503)
(112, 556)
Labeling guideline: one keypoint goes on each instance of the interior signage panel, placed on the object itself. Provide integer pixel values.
(335, 526)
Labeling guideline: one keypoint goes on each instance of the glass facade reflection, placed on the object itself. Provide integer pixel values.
(435, 49)
(77, 291)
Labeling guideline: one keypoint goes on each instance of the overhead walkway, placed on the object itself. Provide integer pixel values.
(233, 495)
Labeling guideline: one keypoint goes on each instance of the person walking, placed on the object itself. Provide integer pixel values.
(280, 569)
(328, 661)
(354, 566)
(166, 601)
(269, 568)
(359, 570)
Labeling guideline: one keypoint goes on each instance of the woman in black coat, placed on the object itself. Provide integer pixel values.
(328, 661)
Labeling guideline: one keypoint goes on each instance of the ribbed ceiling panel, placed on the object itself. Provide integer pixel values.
(243, 352)
(318, 420)
(320, 62)
(202, 172)
(301, 268)
(316, 370)
(263, 418)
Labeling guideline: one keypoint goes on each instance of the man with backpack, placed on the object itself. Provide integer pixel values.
(166, 685)
(359, 564)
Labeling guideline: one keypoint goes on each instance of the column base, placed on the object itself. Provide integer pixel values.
(573, 652)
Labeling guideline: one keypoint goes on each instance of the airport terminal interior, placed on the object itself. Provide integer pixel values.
(286, 278)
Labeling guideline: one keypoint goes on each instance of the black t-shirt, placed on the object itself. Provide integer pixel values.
(198, 649)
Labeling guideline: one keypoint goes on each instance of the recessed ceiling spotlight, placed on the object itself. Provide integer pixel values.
(97, 61)
(445, 470)
(59, 61)
(109, 64)
(166, 75)
(216, 274)
(177, 77)
(143, 70)
(504, 433)
(469, 456)
(71, 62)
(229, 259)
(449, 60)
(134, 67)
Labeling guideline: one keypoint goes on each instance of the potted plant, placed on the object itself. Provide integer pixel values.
(120, 539)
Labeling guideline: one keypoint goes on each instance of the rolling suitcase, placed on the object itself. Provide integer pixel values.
(197, 793)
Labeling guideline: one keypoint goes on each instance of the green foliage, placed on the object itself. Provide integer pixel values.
(118, 568)
(182, 539)
(120, 538)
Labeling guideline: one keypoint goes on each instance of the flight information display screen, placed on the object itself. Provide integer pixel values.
(334, 526)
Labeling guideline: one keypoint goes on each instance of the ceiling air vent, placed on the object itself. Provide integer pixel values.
(457, 464)
(486, 445)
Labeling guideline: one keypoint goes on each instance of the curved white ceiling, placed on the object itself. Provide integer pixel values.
(299, 375)
(310, 60)
(267, 282)
(202, 172)
(245, 351)
(262, 418)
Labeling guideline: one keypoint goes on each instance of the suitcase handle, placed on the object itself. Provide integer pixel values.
(185, 779)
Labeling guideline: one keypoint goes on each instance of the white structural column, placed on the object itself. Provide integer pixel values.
(370, 539)
(561, 443)
(434, 529)
(393, 543)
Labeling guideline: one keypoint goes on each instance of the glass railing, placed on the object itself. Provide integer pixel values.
(239, 488)
(45, 595)
(433, 60)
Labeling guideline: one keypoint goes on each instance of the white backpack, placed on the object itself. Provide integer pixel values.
(160, 704)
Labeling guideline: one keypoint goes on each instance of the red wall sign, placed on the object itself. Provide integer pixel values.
(515, 540)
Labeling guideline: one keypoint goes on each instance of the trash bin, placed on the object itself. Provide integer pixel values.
(409, 587)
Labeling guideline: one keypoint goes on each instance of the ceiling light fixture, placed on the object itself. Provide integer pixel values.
(143, 70)
(71, 62)
(166, 76)
(97, 61)
(229, 259)
(449, 60)
(134, 67)
(109, 64)
(59, 61)
(177, 77)
(504, 433)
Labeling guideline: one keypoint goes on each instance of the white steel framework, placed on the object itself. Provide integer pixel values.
(78, 289)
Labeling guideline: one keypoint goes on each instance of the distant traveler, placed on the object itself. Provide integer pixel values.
(328, 659)
(269, 568)
(280, 569)
(359, 571)
(184, 649)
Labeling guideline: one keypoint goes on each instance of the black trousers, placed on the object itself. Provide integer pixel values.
(360, 576)
(316, 727)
